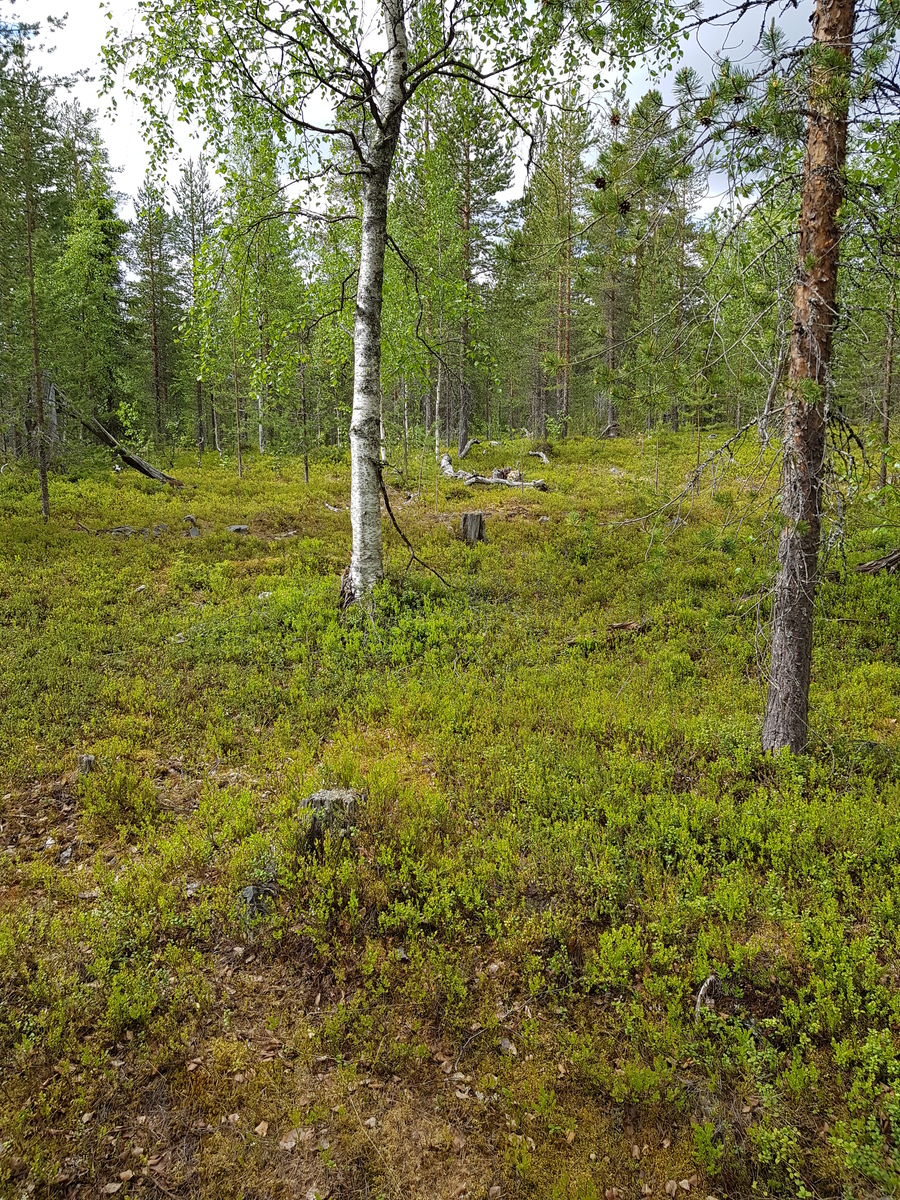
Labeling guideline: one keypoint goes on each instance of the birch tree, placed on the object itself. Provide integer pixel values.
(328, 75)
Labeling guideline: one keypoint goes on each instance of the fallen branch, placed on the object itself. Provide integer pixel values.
(468, 446)
(501, 475)
(541, 455)
(127, 456)
(890, 562)
(413, 557)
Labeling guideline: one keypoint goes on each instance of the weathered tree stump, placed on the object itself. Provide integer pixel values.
(473, 527)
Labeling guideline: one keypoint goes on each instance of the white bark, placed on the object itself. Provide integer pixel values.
(366, 565)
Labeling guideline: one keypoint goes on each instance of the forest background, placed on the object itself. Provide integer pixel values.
(622, 289)
(580, 936)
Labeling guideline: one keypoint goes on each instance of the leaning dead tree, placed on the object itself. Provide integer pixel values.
(102, 434)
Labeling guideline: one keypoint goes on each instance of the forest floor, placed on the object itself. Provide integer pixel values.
(487, 987)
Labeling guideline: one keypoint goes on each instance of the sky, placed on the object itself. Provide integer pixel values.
(77, 48)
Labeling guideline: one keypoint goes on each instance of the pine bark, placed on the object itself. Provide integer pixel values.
(787, 706)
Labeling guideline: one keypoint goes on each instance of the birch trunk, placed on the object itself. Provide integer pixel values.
(787, 705)
(366, 563)
(887, 383)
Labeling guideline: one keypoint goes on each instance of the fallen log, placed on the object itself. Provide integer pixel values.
(890, 562)
(468, 446)
(103, 435)
(471, 480)
(541, 455)
(501, 475)
(447, 468)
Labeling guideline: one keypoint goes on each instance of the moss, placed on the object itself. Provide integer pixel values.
(566, 825)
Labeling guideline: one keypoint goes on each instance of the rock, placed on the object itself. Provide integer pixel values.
(238, 528)
(192, 532)
(333, 812)
(85, 764)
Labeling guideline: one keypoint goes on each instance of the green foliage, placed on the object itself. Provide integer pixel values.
(565, 825)
(117, 796)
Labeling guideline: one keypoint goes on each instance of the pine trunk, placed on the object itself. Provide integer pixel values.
(786, 720)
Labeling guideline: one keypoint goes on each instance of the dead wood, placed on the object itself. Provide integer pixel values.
(468, 446)
(541, 455)
(472, 527)
(501, 475)
(890, 562)
(103, 435)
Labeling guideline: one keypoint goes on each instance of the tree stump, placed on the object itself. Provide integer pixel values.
(472, 525)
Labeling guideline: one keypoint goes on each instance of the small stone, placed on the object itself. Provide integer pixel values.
(238, 528)
(508, 1047)
(262, 1129)
(85, 764)
(495, 1192)
(370, 1123)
